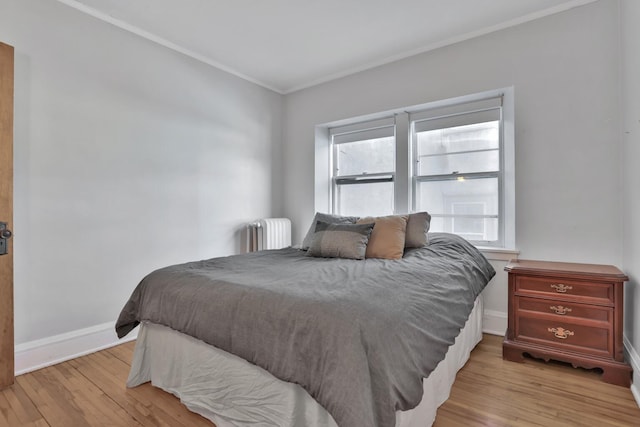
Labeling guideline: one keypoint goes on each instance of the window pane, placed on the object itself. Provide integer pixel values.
(473, 226)
(478, 136)
(482, 161)
(366, 157)
(372, 199)
(465, 207)
(440, 224)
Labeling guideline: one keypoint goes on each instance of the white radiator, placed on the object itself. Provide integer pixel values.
(269, 233)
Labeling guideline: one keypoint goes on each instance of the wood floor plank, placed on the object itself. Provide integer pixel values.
(99, 408)
(53, 406)
(17, 409)
(91, 391)
(8, 415)
(491, 391)
(66, 398)
(123, 352)
(144, 403)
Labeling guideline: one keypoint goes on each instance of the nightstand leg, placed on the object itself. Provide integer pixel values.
(511, 354)
(617, 375)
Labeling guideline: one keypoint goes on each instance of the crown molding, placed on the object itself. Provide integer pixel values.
(333, 76)
(164, 42)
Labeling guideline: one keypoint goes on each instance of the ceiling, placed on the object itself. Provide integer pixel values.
(287, 45)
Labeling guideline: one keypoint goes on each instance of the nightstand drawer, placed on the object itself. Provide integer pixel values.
(565, 335)
(565, 289)
(564, 309)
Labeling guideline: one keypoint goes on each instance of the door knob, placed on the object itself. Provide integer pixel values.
(5, 233)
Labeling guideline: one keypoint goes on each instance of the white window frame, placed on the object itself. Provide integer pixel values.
(403, 179)
(458, 114)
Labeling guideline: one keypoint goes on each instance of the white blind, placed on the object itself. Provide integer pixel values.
(374, 129)
(467, 113)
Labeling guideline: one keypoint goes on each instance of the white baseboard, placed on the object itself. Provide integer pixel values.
(634, 361)
(41, 353)
(494, 322)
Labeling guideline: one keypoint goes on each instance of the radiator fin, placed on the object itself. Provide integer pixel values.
(269, 233)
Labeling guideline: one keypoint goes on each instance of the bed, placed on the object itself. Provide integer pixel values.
(284, 339)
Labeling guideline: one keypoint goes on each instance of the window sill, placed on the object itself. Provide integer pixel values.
(499, 254)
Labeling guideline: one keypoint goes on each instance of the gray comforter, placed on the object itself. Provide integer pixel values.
(359, 336)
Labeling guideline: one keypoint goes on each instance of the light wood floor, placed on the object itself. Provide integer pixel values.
(90, 391)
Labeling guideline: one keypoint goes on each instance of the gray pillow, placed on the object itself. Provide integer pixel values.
(417, 227)
(329, 219)
(340, 240)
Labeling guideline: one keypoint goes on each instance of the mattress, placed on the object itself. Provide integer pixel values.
(230, 391)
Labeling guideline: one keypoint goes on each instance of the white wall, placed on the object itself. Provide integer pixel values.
(128, 157)
(565, 72)
(630, 85)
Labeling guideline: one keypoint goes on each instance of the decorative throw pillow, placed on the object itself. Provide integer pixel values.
(417, 228)
(340, 240)
(387, 238)
(329, 219)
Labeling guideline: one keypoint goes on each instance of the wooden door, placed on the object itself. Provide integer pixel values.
(6, 215)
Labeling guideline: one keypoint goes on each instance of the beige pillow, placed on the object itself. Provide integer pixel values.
(387, 238)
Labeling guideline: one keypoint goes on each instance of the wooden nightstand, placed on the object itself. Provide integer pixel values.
(567, 312)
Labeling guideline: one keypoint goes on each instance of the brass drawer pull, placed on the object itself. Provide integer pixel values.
(562, 288)
(561, 333)
(560, 309)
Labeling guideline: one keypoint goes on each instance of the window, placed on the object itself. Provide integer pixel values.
(457, 174)
(451, 158)
(364, 168)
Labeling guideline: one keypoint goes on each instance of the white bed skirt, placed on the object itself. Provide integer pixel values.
(233, 392)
